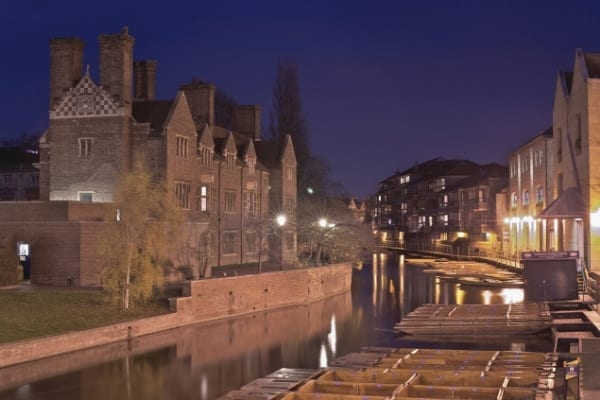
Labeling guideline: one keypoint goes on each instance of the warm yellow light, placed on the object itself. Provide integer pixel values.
(595, 219)
(323, 222)
(461, 234)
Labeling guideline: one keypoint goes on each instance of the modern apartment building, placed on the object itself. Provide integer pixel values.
(446, 205)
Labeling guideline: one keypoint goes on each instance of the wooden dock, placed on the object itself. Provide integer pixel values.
(475, 319)
(405, 374)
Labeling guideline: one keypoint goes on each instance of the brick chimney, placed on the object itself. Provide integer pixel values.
(116, 65)
(144, 75)
(201, 99)
(246, 120)
(66, 67)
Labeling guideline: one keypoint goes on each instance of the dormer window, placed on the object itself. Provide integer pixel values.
(230, 160)
(182, 147)
(251, 166)
(206, 156)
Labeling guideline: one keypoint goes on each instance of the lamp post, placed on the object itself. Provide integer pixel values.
(281, 221)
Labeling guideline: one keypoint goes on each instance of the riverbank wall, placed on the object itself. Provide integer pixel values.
(203, 301)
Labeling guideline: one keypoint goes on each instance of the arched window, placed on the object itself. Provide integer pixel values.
(514, 199)
(525, 197)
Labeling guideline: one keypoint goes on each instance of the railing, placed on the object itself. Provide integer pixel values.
(449, 251)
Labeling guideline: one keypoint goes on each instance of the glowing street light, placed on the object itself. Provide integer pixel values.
(281, 220)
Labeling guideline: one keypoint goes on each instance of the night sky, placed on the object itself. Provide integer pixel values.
(385, 84)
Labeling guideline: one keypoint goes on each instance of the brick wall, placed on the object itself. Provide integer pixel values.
(243, 294)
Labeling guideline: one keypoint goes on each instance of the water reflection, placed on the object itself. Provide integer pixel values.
(207, 360)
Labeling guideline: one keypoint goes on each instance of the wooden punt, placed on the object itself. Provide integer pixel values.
(476, 319)
(409, 374)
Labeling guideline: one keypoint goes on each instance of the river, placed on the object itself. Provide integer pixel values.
(206, 360)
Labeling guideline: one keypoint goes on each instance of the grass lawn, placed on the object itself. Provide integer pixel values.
(32, 314)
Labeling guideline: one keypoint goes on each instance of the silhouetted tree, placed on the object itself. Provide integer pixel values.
(287, 116)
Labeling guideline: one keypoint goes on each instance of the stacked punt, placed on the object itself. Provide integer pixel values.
(409, 374)
(476, 319)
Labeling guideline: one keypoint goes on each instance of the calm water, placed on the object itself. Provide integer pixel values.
(207, 360)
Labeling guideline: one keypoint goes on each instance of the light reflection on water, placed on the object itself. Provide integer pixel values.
(207, 360)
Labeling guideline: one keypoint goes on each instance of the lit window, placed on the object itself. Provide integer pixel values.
(525, 197)
(85, 147)
(514, 198)
(539, 195)
(202, 198)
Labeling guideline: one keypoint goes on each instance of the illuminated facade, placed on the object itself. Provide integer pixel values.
(226, 181)
(444, 205)
(529, 188)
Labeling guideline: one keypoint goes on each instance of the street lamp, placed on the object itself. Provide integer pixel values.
(281, 220)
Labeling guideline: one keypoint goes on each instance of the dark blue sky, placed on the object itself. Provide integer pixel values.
(385, 84)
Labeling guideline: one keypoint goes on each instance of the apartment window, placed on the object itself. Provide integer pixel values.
(86, 196)
(230, 201)
(525, 197)
(202, 198)
(404, 208)
(229, 242)
(578, 134)
(444, 219)
(86, 147)
(183, 193)
(539, 195)
(182, 147)
(514, 199)
(35, 178)
(251, 242)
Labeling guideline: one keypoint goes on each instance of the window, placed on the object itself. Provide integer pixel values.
(539, 195)
(404, 208)
(230, 201)
(86, 196)
(290, 173)
(229, 242)
(444, 219)
(482, 196)
(250, 203)
(251, 242)
(290, 239)
(183, 193)
(206, 156)
(251, 166)
(514, 199)
(85, 147)
(230, 160)
(7, 179)
(202, 198)
(213, 199)
(525, 197)
(182, 147)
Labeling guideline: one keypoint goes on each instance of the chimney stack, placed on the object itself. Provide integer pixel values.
(66, 67)
(246, 120)
(116, 65)
(144, 74)
(201, 99)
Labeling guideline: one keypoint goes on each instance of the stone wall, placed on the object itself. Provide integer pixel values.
(208, 300)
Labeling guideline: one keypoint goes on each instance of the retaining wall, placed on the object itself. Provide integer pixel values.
(205, 300)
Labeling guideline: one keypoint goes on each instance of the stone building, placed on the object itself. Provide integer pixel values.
(529, 189)
(228, 182)
(445, 205)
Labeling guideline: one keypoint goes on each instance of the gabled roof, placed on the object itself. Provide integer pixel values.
(569, 204)
(155, 112)
(566, 79)
(86, 99)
